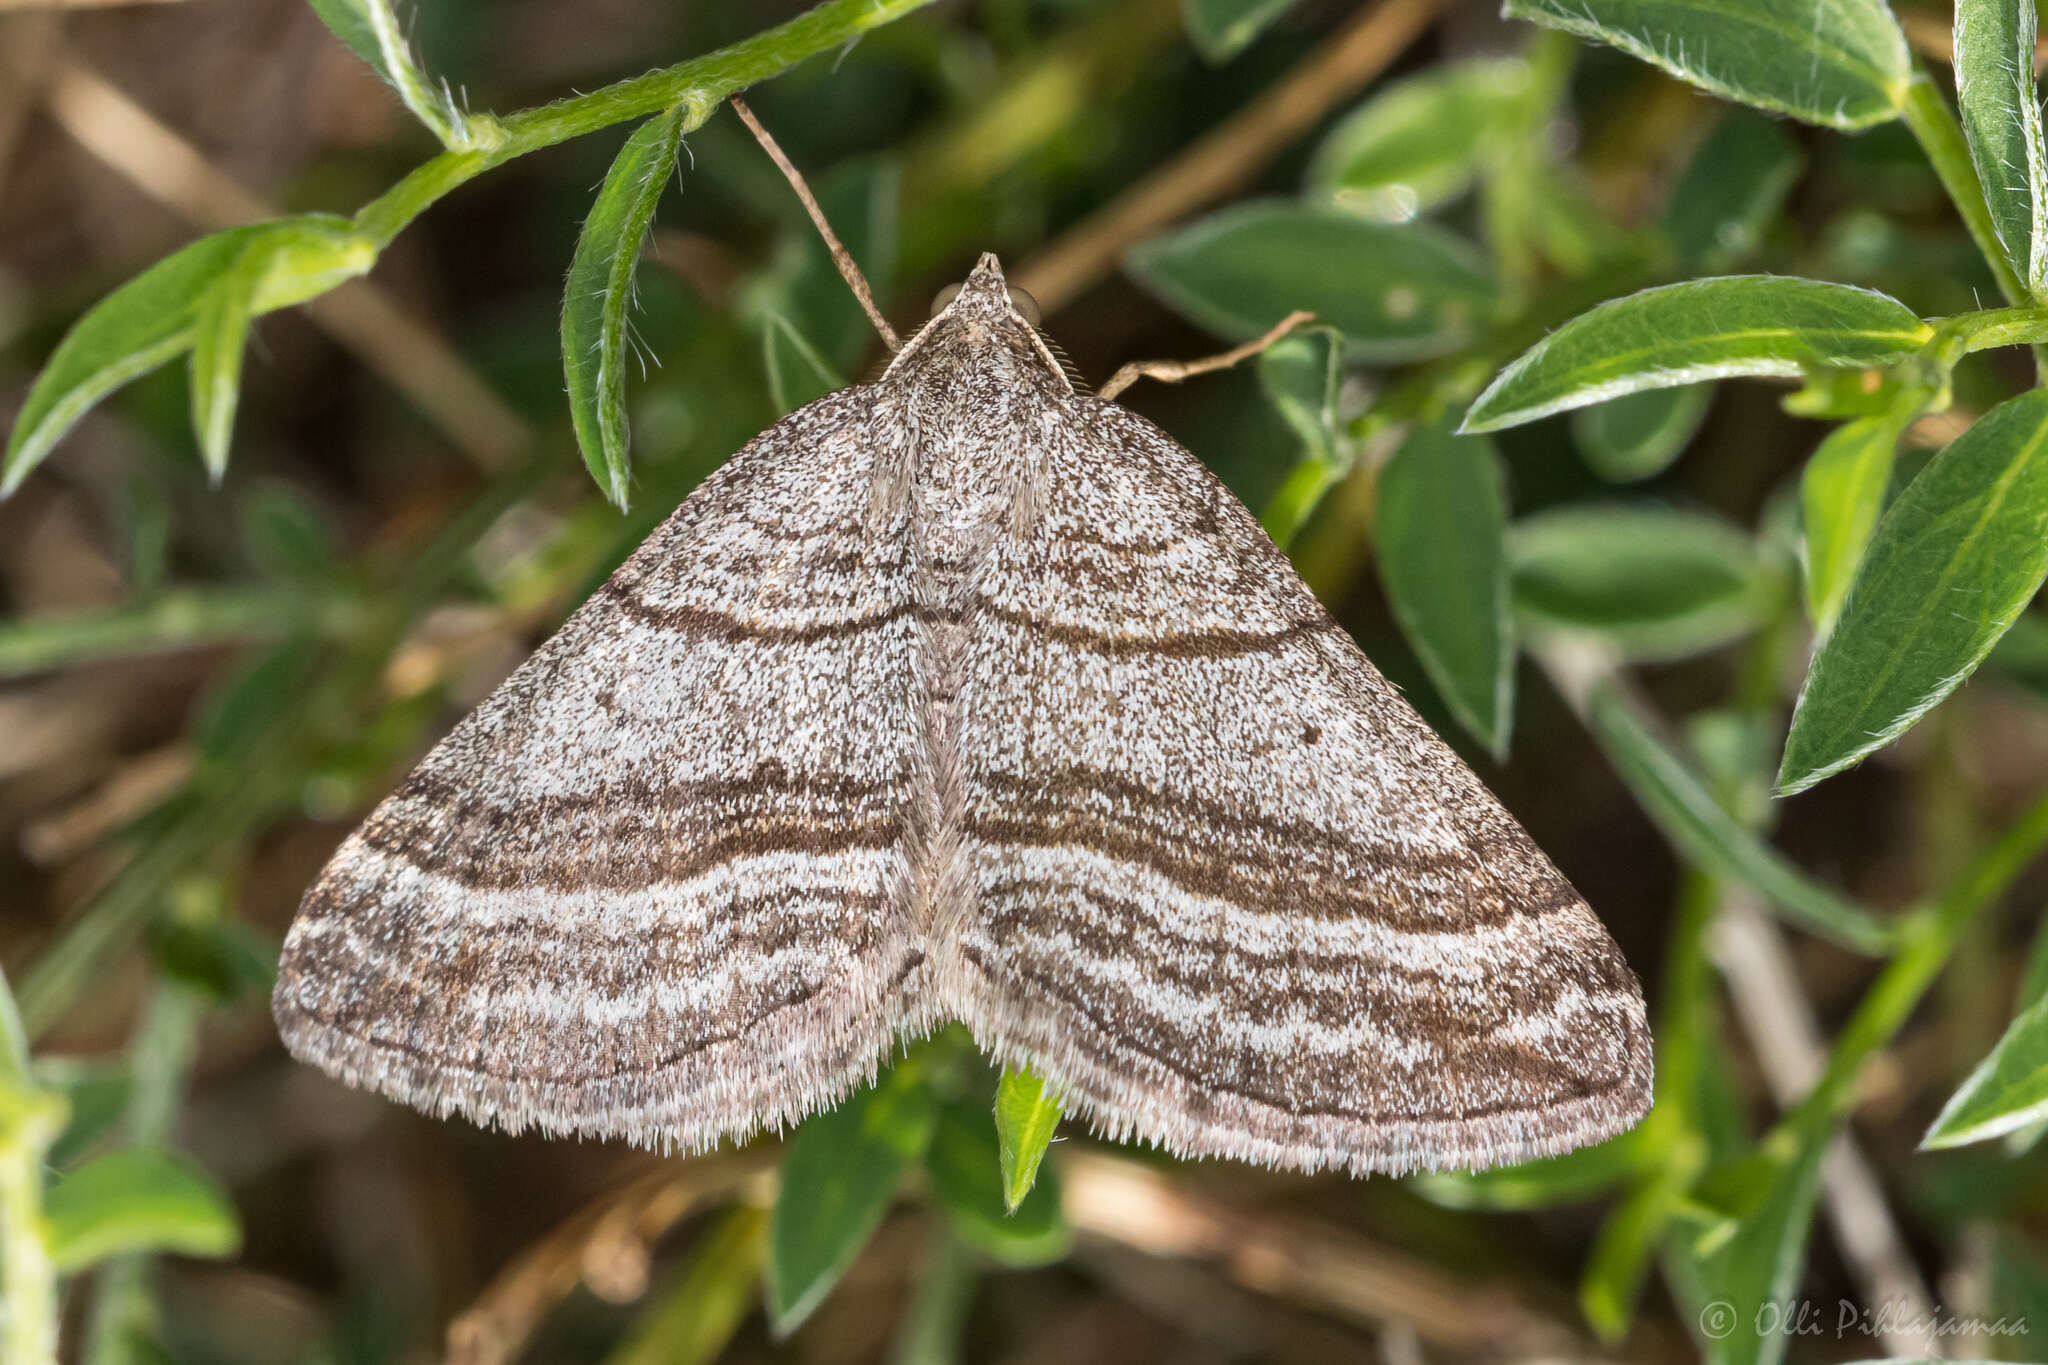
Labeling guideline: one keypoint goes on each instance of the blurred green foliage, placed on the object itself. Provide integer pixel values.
(1487, 242)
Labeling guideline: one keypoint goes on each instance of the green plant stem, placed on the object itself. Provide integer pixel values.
(1926, 940)
(699, 85)
(1941, 139)
(29, 1122)
(182, 619)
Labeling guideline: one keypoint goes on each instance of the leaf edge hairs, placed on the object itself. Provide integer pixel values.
(963, 695)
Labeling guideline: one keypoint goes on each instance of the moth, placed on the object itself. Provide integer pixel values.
(966, 695)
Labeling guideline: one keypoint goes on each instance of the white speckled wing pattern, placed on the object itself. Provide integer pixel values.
(654, 886)
(963, 696)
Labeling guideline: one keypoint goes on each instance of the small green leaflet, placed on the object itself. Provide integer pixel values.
(966, 1174)
(1220, 29)
(599, 296)
(1416, 143)
(219, 333)
(2001, 113)
(1638, 435)
(137, 1200)
(1439, 532)
(1842, 492)
(2007, 1091)
(1301, 375)
(1703, 329)
(839, 1176)
(154, 317)
(1839, 63)
(1396, 291)
(1026, 1117)
(1952, 564)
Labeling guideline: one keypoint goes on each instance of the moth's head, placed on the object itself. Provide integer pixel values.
(980, 319)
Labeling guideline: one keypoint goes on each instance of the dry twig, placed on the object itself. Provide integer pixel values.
(849, 269)
(1173, 371)
(604, 1247)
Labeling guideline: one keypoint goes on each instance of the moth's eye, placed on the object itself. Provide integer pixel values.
(1026, 306)
(944, 297)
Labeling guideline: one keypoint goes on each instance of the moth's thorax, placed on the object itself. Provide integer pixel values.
(970, 402)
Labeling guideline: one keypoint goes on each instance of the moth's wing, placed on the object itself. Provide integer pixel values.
(652, 886)
(1233, 895)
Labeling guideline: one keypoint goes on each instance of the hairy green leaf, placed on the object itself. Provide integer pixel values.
(1300, 375)
(796, 372)
(838, 1178)
(1731, 190)
(1707, 835)
(153, 317)
(1702, 329)
(1654, 582)
(1439, 532)
(599, 297)
(1638, 435)
(2007, 1091)
(1842, 494)
(1026, 1117)
(138, 1200)
(351, 21)
(1396, 291)
(968, 1177)
(1953, 562)
(2001, 114)
(1416, 143)
(1839, 63)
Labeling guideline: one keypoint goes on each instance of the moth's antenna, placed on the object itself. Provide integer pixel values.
(1173, 371)
(841, 257)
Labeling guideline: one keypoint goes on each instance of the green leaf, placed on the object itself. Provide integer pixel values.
(1737, 1279)
(1953, 562)
(1839, 63)
(599, 296)
(1439, 531)
(1655, 583)
(350, 21)
(1842, 494)
(1220, 29)
(1417, 142)
(97, 1093)
(153, 317)
(2001, 115)
(839, 1176)
(1731, 190)
(138, 1200)
(1300, 375)
(2007, 1091)
(1026, 1117)
(693, 1320)
(796, 372)
(219, 332)
(1709, 837)
(1638, 435)
(14, 1071)
(1397, 292)
(1703, 329)
(968, 1176)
